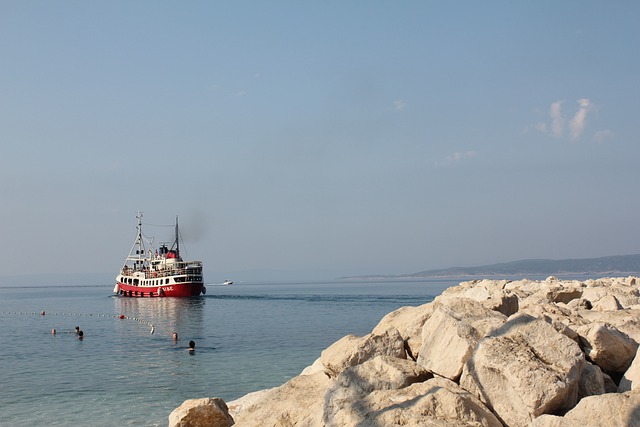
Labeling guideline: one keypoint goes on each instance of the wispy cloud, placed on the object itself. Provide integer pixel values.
(557, 121)
(459, 155)
(399, 105)
(576, 126)
(603, 136)
(558, 124)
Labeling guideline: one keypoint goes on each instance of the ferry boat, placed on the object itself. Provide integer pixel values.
(161, 272)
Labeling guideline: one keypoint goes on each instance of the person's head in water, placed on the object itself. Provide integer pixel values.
(78, 329)
(175, 336)
(80, 334)
(192, 345)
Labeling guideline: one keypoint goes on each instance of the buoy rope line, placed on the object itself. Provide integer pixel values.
(116, 316)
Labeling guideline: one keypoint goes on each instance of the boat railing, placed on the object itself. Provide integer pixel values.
(174, 269)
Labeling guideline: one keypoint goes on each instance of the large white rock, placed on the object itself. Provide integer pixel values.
(607, 303)
(492, 294)
(408, 321)
(352, 350)
(606, 410)
(452, 332)
(626, 321)
(591, 381)
(205, 412)
(560, 317)
(631, 379)
(624, 290)
(298, 402)
(382, 373)
(607, 347)
(524, 369)
(436, 402)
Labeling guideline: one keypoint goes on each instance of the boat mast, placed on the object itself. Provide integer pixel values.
(177, 239)
(140, 243)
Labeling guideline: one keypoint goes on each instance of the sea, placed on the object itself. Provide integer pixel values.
(128, 371)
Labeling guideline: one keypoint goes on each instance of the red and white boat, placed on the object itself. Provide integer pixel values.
(161, 272)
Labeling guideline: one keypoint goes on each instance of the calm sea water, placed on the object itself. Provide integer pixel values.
(248, 337)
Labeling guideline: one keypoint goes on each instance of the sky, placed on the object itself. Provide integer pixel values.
(316, 139)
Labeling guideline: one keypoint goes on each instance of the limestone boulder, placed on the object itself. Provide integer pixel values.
(612, 350)
(606, 410)
(626, 321)
(563, 319)
(592, 381)
(317, 366)
(436, 402)
(490, 293)
(626, 294)
(631, 378)
(524, 369)
(298, 402)
(352, 350)
(554, 291)
(382, 373)
(565, 293)
(452, 332)
(607, 303)
(409, 322)
(205, 412)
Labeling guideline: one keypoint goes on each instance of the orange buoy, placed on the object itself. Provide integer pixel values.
(121, 316)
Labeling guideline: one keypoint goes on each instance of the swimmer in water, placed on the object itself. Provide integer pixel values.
(175, 336)
(192, 346)
(80, 335)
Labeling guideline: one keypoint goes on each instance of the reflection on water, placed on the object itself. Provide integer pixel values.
(167, 315)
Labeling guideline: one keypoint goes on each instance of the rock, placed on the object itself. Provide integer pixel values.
(408, 321)
(606, 410)
(607, 303)
(524, 369)
(490, 293)
(382, 373)
(627, 295)
(527, 369)
(607, 347)
(591, 381)
(436, 402)
(298, 402)
(631, 379)
(316, 367)
(451, 334)
(352, 350)
(205, 412)
(626, 321)
(561, 318)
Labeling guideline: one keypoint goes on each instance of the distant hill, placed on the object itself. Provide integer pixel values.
(620, 265)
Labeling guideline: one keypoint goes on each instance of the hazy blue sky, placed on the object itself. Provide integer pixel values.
(333, 137)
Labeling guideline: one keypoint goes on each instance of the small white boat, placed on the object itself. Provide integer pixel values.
(228, 282)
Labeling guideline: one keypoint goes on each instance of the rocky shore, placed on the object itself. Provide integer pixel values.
(488, 353)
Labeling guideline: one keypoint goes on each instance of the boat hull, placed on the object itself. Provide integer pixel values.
(185, 289)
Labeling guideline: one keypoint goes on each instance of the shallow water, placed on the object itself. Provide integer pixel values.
(248, 337)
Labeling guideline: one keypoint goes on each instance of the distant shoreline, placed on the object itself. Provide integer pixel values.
(618, 265)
